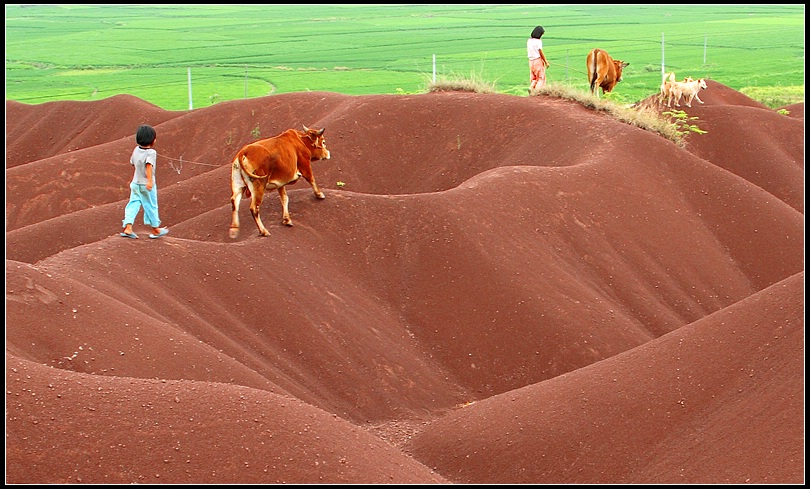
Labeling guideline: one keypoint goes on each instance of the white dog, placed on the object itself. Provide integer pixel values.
(688, 89)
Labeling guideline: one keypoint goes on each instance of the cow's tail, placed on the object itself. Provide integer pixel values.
(236, 164)
(240, 160)
(595, 73)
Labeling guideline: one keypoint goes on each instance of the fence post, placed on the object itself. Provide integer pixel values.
(190, 105)
(705, 40)
(566, 65)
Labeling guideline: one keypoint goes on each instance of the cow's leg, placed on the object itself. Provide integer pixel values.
(315, 189)
(255, 205)
(306, 172)
(235, 199)
(285, 206)
(237, 187)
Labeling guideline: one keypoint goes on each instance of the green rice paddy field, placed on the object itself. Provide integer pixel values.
(189, 56)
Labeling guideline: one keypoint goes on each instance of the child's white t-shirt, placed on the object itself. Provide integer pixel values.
(534, 46)
(140, 157)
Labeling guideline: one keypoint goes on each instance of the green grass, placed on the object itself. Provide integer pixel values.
(775, 97)
(674, 125)
(82, 52)
(460, 83)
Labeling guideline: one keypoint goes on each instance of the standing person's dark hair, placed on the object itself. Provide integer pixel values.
(537, 59)
(145, 136)
(143, 188)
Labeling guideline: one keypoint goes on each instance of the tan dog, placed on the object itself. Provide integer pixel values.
(687, 89)
(676, 91)
(666, 86)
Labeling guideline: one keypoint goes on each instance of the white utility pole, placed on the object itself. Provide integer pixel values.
(190, 105)
(705, 39)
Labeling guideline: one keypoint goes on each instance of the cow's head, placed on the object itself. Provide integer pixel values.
(620, 65)
(317, 143)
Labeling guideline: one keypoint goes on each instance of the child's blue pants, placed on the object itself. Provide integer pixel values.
(140, 197)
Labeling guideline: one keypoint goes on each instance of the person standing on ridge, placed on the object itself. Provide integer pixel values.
(143, 188)
(537, 59)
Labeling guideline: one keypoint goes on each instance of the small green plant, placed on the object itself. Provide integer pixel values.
(255, 132)
(683, 122)
(783, 112)
(400, 91)
(214, 98)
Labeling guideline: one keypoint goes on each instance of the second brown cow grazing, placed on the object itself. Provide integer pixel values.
(603, 71)
(273, 163)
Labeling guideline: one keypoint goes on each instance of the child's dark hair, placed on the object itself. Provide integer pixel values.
(146, 135)
(538, 31)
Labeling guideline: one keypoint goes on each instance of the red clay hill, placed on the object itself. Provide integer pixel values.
(496, 289)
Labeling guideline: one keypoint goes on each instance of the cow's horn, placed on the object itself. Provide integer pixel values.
(321, 131)
(306, 129)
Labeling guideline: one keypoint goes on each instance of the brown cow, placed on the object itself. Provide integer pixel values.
(273, 163)
(603, 71)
